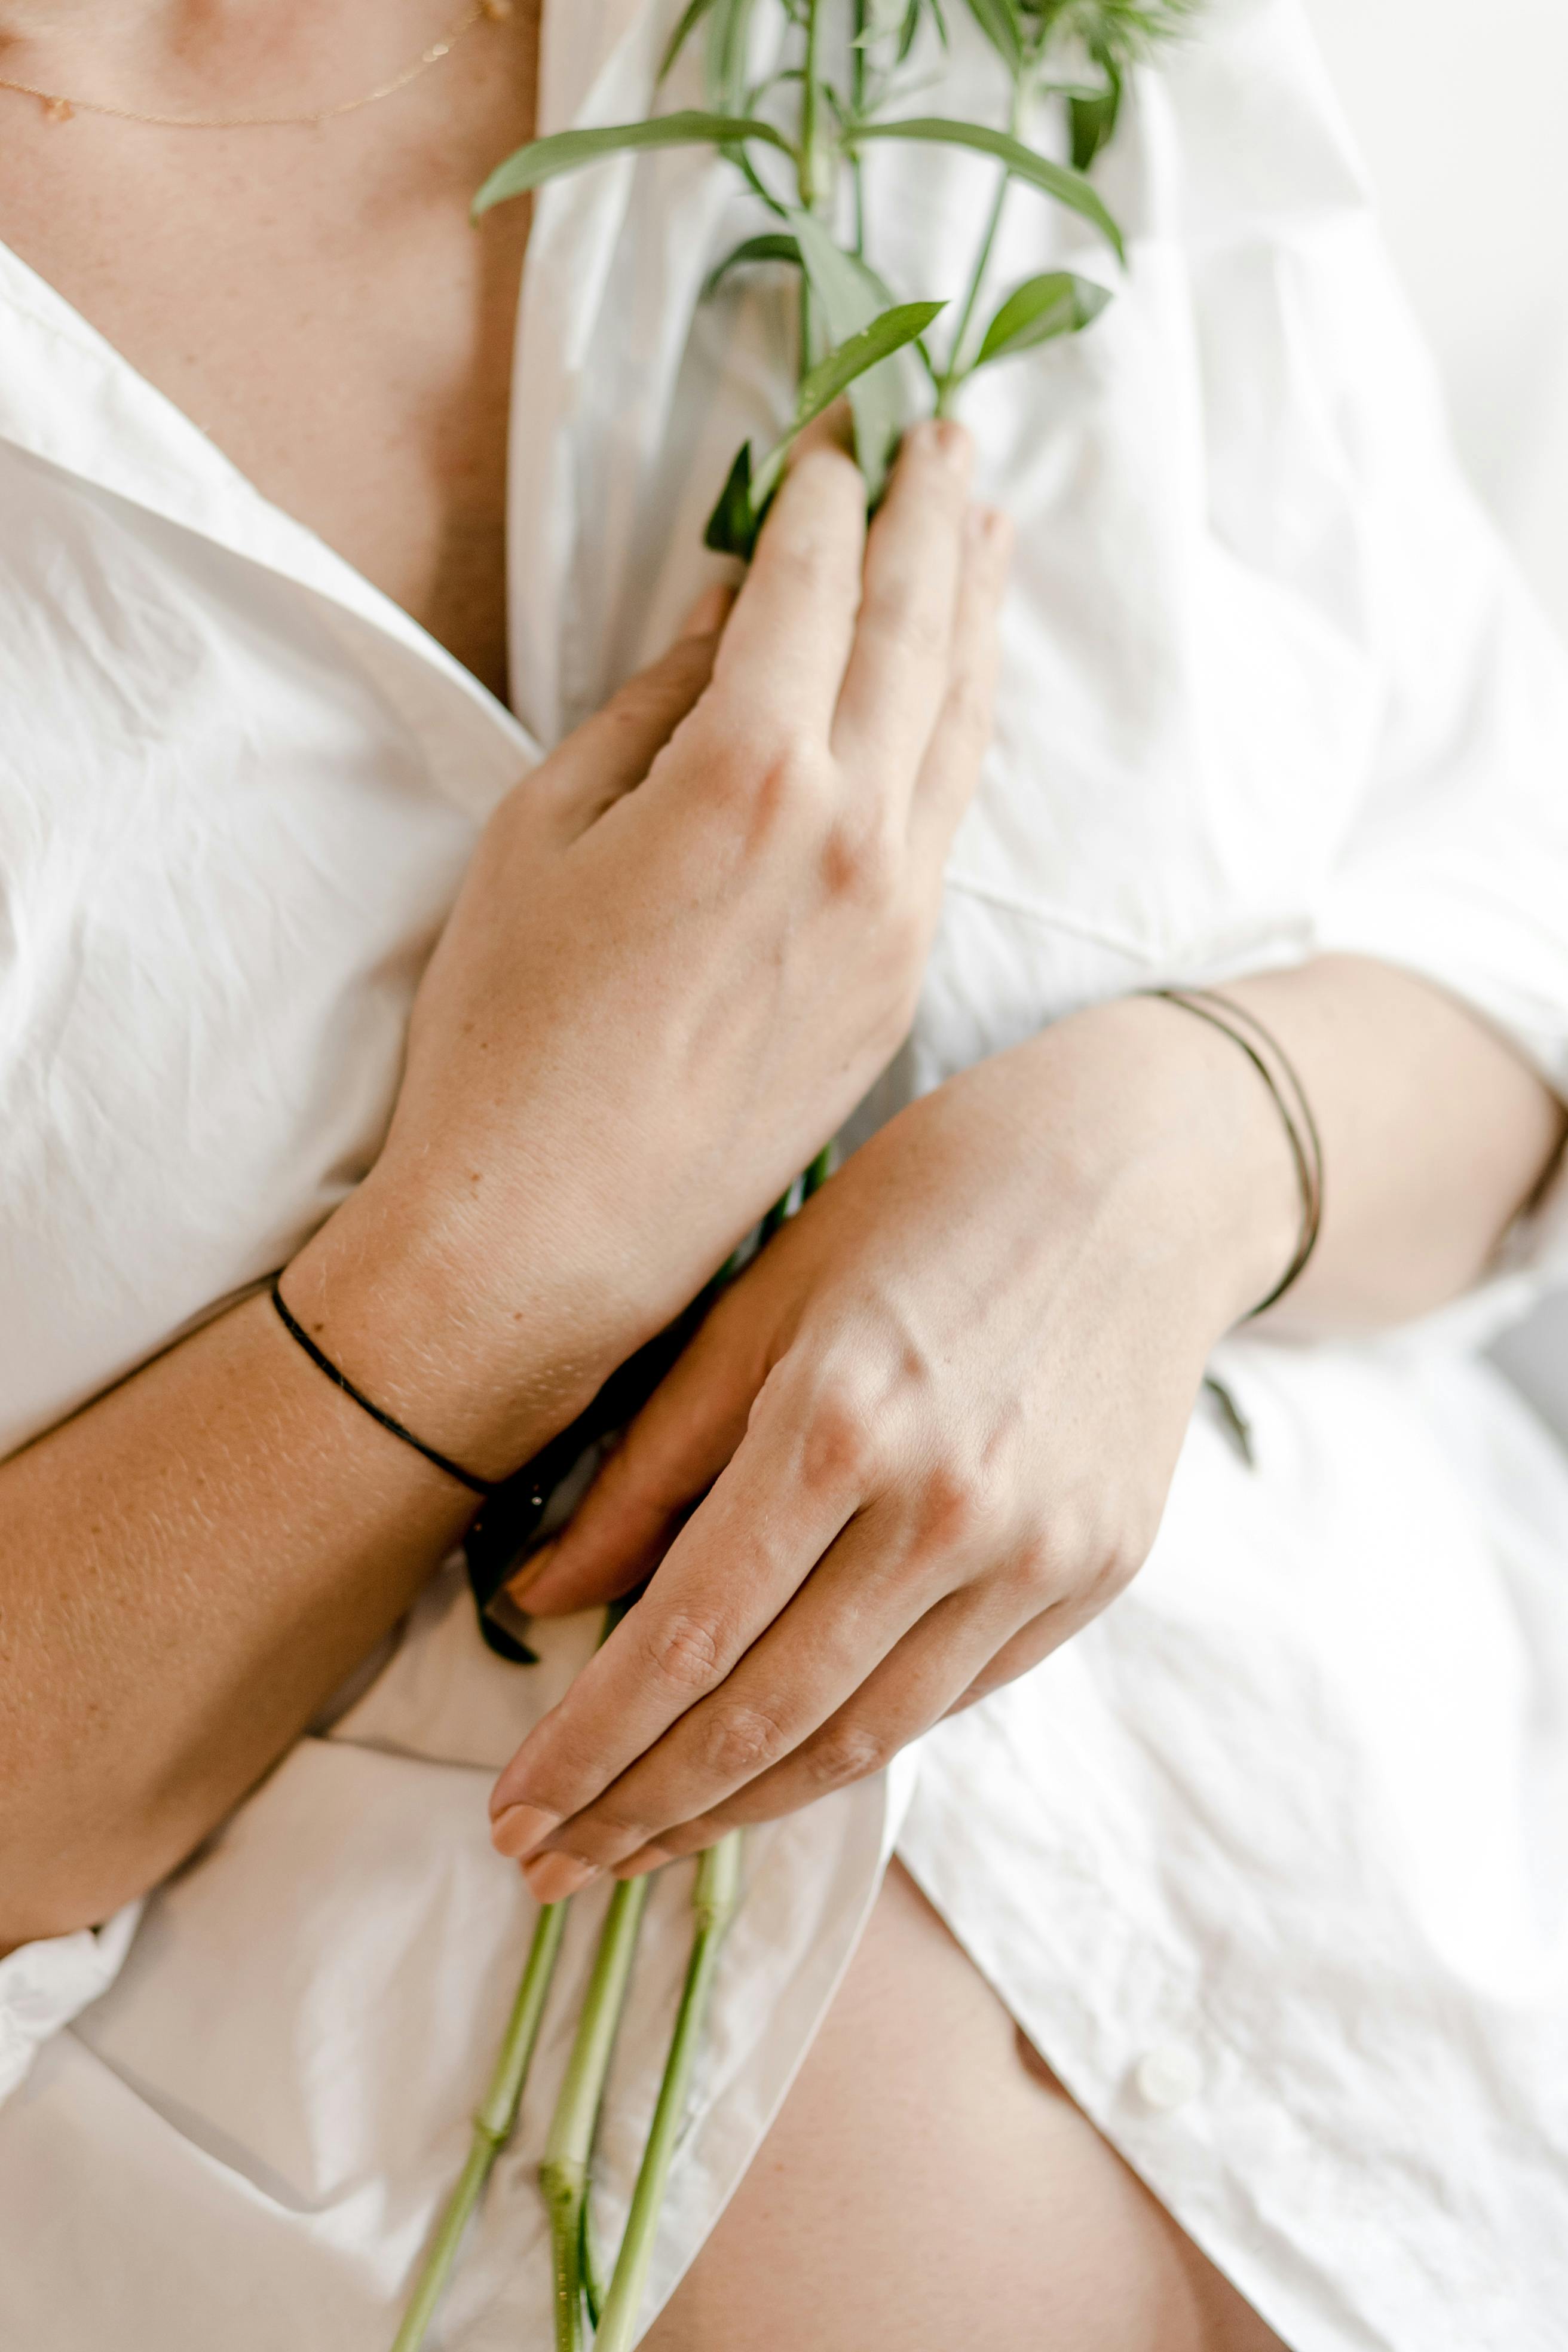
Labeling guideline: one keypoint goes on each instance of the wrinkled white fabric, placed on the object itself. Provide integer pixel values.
(1271, 1862)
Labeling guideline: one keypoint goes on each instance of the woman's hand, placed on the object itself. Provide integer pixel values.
(927, 1435)
(686, 946)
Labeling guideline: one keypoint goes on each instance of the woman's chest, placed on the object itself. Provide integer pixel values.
(319, 302)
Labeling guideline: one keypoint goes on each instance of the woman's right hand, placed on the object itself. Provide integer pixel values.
(686, 946)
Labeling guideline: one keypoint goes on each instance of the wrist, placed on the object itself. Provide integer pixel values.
(1175, 1136)
(401, 1290)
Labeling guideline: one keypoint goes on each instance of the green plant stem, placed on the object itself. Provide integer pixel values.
(808, 173)
(492, 2126)
(713, 1901)
(564, 2173)
(811, 190)
(953, 375)
(592, 2284)
(856, 107)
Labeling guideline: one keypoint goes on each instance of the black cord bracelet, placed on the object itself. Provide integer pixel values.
(1300, 1127)
(340, 1380)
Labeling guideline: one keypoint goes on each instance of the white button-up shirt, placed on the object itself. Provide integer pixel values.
(1272, 1861)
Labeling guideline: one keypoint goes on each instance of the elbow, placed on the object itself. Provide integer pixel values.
(51, 1886)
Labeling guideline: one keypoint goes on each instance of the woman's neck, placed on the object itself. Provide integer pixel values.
(190, 55)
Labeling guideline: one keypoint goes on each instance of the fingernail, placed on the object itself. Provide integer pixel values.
(949, 439)
(518, 1829)
(533, 1569)
(554, 1876)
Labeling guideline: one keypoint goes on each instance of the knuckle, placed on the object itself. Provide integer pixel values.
(1081, 1558)
(861, 863)
(743, 1740)
(1123, 1552)
(805, 556)
(683, 1651)
(845, 1752)
(842, 1446)
(1030, 1580)
(902, 609)
(957, 1508)
(774, 783)
(792, 775)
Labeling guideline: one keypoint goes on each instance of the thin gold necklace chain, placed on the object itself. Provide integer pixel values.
(60, 108)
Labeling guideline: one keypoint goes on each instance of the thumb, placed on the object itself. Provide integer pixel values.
(609, 754)
(669, 1456)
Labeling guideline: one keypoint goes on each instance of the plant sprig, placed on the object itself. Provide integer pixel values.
(796, 134)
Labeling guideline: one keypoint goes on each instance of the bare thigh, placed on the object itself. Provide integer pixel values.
(929, 2186)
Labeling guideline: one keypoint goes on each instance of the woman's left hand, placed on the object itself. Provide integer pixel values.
(928, 1434)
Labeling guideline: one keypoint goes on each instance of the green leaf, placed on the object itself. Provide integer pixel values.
(851, 297)
(1041, 309)
(1002, 26)
(729, 46)
(1092, 120)
(772, 246)
(1068, 186)
(743, 502)
(568, 151)
(832, 377)
(732, 526)
(690, 18)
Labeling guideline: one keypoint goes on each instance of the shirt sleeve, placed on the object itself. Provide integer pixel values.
(1456, 865)
(43, 1986)
(1332, 467)
(1456, 862)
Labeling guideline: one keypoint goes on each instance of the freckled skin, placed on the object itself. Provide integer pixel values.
(320, 303)
(317, 300)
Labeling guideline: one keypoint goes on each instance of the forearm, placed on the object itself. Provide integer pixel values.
(193, 1563)
(1435, 1133)
(931, 1431)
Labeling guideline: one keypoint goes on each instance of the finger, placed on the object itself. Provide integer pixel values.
(668, 1458)
(783, 652)
(898, 670)
(912, 1688)
(880, 1578)
(951, 768)
(769, 1520)
(1029, 1646)
(834, 429)
(610, 753)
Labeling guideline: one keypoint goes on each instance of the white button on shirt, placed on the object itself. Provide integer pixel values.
(1272, 1861)
(1169, 2076)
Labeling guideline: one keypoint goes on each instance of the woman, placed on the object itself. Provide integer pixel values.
(1251, 1861)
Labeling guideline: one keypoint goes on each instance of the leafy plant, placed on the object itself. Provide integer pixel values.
(796, 132)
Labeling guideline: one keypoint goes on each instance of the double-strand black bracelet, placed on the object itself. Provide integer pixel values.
(323, 1362)
(1273, 1066)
